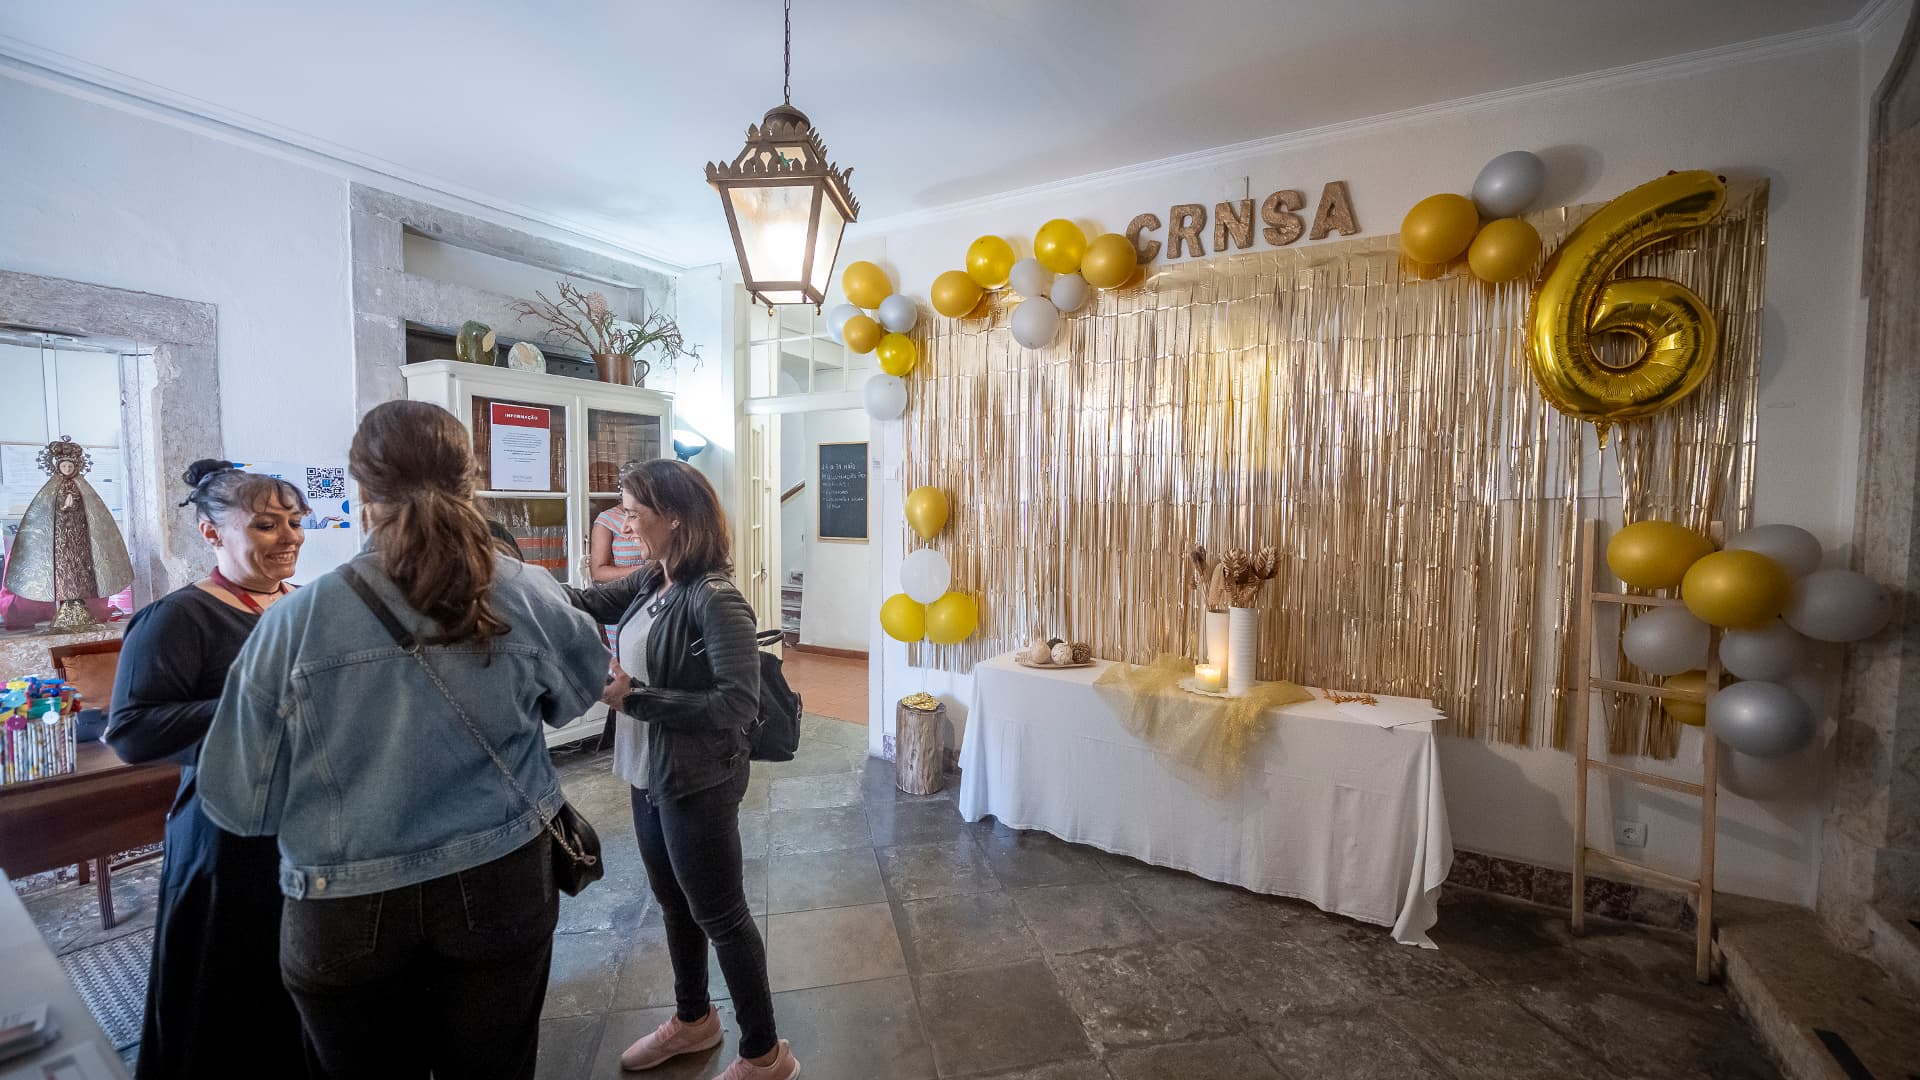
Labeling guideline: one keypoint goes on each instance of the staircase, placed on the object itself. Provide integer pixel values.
(790, 593)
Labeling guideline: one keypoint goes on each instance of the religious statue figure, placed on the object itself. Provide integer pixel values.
(69, 549)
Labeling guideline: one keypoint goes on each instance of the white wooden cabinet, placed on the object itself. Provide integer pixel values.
(591, 429)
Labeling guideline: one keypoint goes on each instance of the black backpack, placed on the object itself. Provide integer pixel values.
(775, 734)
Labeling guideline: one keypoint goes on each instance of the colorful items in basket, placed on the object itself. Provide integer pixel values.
(1053, 652)
(37, 729)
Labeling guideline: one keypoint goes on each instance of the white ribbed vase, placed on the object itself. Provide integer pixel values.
(1243, 649)
(1215, 624)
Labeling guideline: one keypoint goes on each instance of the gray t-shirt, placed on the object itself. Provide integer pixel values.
(630, 735)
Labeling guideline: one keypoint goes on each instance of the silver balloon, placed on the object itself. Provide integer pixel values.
(1794, 548)
(1030, 279)
(898, 313)
(1838, 605)
(1034, 322)
(1667, 641)
(1763, 719)
(1509, 184)
(1770, 654)
(837, 318)
(1070, 292)
(886, 397)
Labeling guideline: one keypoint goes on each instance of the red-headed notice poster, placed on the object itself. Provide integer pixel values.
(522, 443)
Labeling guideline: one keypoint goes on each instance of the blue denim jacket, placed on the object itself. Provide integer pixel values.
(332, 738)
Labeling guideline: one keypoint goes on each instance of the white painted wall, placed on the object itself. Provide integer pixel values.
(1788, 111)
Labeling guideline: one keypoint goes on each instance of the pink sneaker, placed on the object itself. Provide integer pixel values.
(673, 1038)
(784, 1067)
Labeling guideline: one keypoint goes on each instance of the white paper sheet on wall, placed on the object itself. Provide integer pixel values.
(20, 476)
(333, 532)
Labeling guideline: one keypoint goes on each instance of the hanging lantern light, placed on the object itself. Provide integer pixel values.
(786, 204)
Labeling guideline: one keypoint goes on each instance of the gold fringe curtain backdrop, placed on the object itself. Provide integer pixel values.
(1383, 432)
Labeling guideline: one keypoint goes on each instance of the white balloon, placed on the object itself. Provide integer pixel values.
(1794, 548)
(1509, 184)
(1034, 322)
(898, 313)
(1030, 279)
(925, 575)
(1769, 655)
(886, 397)
(837, 317)
(1070, 292)
(1667, 641)
(1763, 719)
(1838, 605)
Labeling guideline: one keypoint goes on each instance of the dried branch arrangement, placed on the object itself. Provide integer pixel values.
(584, 317)
(1235, 579)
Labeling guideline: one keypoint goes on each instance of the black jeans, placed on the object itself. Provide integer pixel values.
(446, 977)
(691, 848)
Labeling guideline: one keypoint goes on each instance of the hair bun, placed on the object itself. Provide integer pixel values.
(198, 471)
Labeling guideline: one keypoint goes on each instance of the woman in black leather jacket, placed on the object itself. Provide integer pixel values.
(685, 688)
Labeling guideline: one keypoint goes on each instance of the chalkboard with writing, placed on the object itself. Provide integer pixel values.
(843, 491)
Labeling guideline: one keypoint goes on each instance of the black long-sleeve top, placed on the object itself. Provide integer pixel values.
(173, 665)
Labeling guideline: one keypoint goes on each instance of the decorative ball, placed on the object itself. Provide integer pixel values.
(1110, 260)
(1038, 653)
(1763, 719)
(1743, 590)
(1062, 653)
(1693, 713)
(1439, 228)
(1503, 250)
(861, 333)
(865, 284)
(954, 294)
(989, 260)
(1060, 245)
(898, 354)
(1082, 652)
(1655, 554)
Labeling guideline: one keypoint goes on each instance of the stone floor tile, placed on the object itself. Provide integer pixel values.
(1027, 859)
(801, 832)
(759, 796)
(1215, 1059)
(646, 972)
(1384, 968)
(891, 823)
(814, 758)
(970, 930)
(857, 1031)
(1071, 918)
(879, 782)
(566, 1047)
(1509, 942)
(1181, 906)
(1059, 1070)
(833, 945)
(1004, 1017)
(839, 788)
(1490, 1037)
(1362, 1045)
(755, 834)
(618, 901)
(1649, 1035)
(1646, 958)
(920, 871)
(824, 879)
(1139, 996)
(824, 729)
(585, 969)
(1257, 980)
(623, 1028)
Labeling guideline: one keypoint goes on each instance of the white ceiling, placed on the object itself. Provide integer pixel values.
(601, 114)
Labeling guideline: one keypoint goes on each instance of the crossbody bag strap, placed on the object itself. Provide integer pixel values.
(407, 640)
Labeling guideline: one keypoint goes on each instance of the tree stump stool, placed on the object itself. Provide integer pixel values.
(918, 758)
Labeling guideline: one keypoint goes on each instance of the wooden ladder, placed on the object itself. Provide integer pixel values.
(1587, 858)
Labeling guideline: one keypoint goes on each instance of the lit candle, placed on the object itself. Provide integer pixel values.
(1208, 676)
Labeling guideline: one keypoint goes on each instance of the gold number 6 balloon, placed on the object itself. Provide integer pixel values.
(1575, 302)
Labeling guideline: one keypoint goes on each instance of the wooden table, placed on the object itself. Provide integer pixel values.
(86, 816)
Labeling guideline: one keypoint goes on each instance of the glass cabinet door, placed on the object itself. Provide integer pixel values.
(615, 438)
(539, 527)
(519, 446)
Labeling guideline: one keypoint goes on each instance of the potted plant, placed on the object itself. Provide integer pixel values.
(614, 343)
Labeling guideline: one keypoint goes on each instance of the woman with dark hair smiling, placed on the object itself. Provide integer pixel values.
(213, 991)
(685, 688)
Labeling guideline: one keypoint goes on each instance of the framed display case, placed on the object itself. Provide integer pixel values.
(548, 450)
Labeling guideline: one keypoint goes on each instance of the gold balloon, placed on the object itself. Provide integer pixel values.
(903, 618)
(865, 285)
(954, 293)
(1743, 590)
(1438, 228)
(897, 354)
(1686, 712)
(1503, 250)
(1109, 261)
(927, 511)
(951, 618)
(1655, 554)
(989, 260)
(861, 333)
(1059, 246)
(1576, 302)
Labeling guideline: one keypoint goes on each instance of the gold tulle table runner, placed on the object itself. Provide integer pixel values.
(1207, 739)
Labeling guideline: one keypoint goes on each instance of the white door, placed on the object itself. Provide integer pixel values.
(759, 539)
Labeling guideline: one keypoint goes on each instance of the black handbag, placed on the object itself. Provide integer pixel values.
(576, 847)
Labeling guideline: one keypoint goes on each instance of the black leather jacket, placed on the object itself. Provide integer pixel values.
(704, 676)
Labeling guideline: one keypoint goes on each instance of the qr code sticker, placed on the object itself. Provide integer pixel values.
(326, 483)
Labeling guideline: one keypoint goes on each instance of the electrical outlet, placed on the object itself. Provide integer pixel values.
(1630, 833)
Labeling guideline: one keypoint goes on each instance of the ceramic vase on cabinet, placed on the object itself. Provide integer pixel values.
(1215, 625)
(1243, 649)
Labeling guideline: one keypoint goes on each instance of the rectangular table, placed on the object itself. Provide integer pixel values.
(103, 808)
(1335, 810)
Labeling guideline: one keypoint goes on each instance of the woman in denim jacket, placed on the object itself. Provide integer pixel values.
(421, 903)
(685, 688)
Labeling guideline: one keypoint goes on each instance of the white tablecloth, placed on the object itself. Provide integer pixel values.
(1339, 807)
